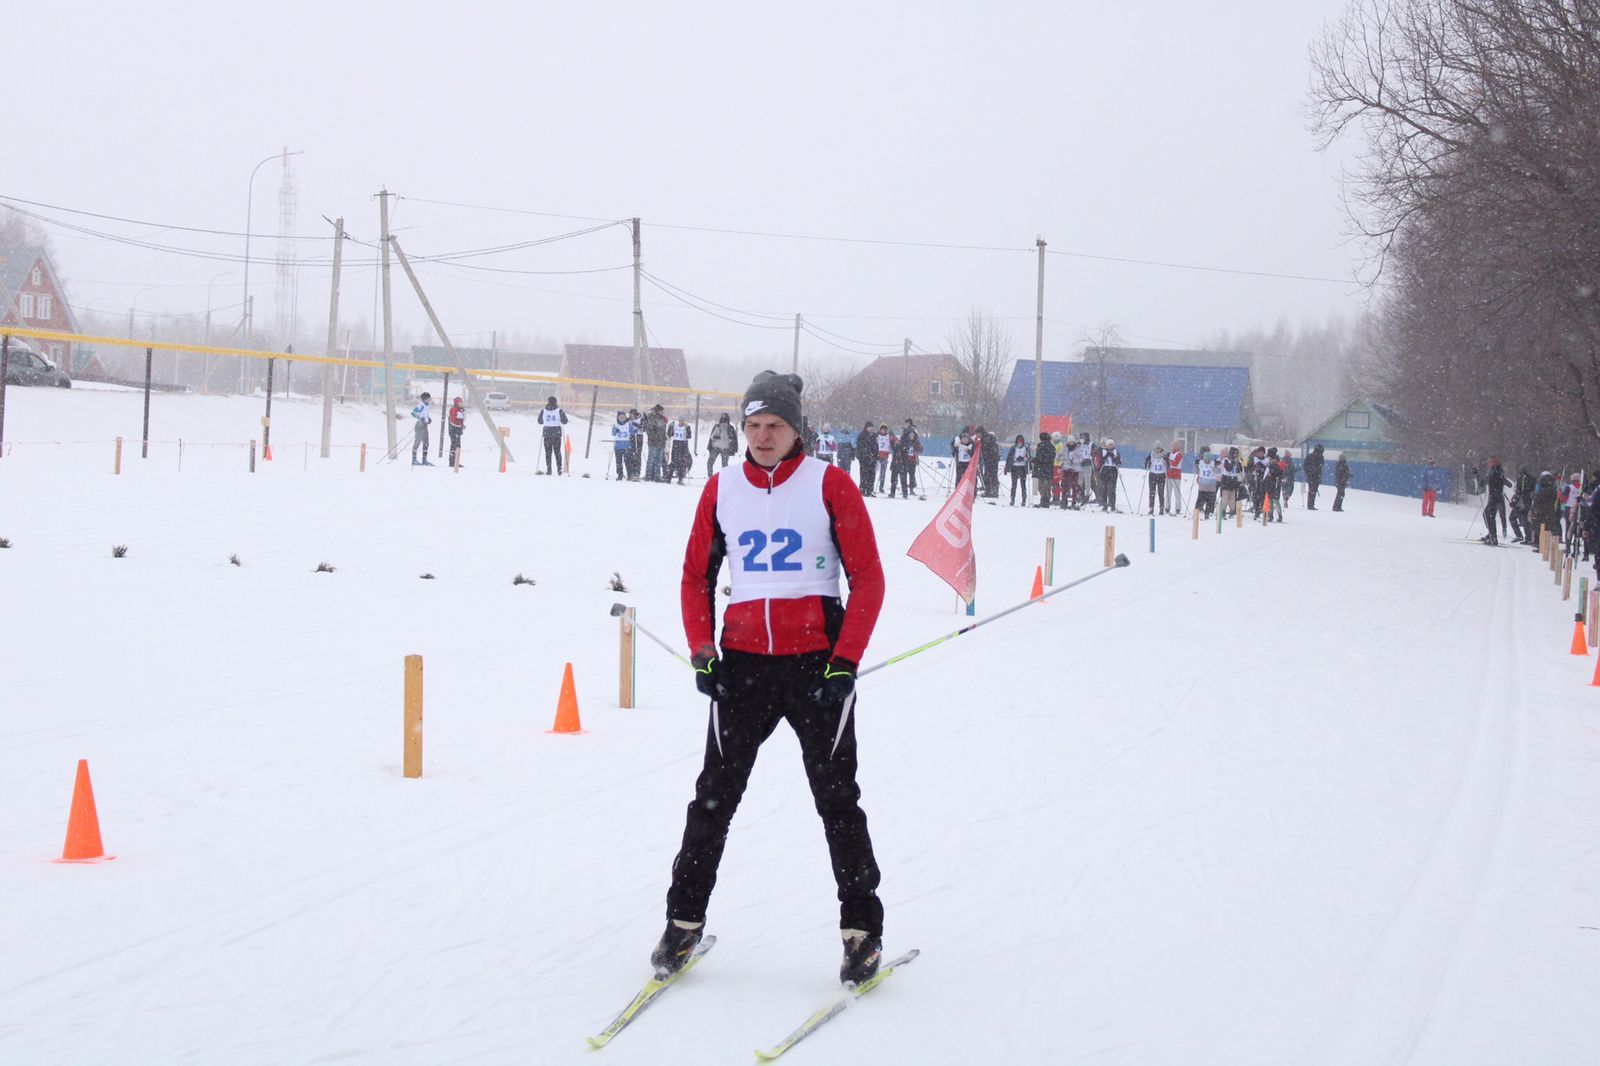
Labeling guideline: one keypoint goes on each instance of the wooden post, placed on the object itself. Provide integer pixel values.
(1049, 560)
(252, 457)
(1583, 599)
(1238, 513)
(1594, 617)
(363, 457)
(625, 696)
(116, 462)
(413, 738)
(1557, 564)
(1152, 535)
(1111, 546)
(505, 431)
(149, 362)
(1544, 544)
(1566, 580)
(455, 460)
(1194, 534)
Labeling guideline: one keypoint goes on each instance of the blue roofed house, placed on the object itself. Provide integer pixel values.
(1137, 404)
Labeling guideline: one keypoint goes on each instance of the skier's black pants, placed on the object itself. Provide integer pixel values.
(1490, 509)
(1206, 501)
(867, 474)
(767, 689)
(900, 478)
(1311, 493)
(1019, 478)
(622, 463)
(455, 443)
(552, 447)
(1338, 498)
(1158, 491)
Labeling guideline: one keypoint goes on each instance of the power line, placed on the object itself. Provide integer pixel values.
(152, 225)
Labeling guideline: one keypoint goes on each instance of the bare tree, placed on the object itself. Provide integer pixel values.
(1110, 400)
(1479, 191)
(982, 351)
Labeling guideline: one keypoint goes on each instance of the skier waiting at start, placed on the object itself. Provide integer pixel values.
(552, 418)
(787, 525)
(423, 414)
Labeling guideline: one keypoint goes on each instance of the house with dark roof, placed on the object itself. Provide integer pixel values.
(927, 388)
(1136, 403)
(31, 297)
(614, 362)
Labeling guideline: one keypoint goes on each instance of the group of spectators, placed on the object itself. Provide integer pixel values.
(1567, 506)
(642, 441)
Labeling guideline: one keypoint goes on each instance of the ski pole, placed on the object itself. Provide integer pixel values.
(618, 609)
(1122, 561)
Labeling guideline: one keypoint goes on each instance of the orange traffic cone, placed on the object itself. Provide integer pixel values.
(1595, 682)
(1038, 584)
(266, 453)
(83, 825)
(1580, 642)
(567, 706)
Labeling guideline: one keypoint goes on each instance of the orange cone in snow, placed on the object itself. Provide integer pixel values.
(1595, 682)
(1580, 642)
(266, 453)
(83, 825)
(567, 706)
(1038, 584)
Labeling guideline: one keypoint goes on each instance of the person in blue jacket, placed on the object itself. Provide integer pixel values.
(1432, 482)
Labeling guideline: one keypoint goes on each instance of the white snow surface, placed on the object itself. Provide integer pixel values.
(1325, 792)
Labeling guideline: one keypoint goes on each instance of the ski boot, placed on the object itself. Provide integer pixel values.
(862, 953)
(675, 946)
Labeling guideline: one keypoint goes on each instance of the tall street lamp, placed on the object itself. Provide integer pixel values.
(249, 205)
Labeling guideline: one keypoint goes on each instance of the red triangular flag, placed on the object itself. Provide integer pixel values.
(945, 547)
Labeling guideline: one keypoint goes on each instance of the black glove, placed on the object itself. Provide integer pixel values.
(708, 677)
(835, 683)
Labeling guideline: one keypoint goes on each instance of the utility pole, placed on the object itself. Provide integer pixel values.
(794, 364)
(905, 370)
(1038, 349)
(638, 324)
(474, 397)
(388, 322)
(333, 341)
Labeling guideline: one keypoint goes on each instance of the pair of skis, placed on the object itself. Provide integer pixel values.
(822, 1016)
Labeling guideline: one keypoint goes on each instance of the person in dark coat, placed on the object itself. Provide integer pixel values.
(1495, 482)
(1044, 468)
(989, 456)
(1313, 472)
(1341, 481)
(867, 456)
(1544, 508)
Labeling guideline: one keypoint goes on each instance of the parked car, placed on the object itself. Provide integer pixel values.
(497, 401)
(24, 366)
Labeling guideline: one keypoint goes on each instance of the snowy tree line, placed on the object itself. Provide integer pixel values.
(1479, 190)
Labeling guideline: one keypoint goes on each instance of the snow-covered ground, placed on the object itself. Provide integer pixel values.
(1325, 792)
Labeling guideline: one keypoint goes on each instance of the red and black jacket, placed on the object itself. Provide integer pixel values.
(785, 626)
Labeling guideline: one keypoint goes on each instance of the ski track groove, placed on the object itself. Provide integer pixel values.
(1464, 842)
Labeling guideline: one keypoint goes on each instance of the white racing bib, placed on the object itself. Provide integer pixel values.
(779, 543)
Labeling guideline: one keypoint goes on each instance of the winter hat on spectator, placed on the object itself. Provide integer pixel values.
(771, 393)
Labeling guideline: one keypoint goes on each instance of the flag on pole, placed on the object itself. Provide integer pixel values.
(945, 547)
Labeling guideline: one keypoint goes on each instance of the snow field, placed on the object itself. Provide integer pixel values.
(1319, 792)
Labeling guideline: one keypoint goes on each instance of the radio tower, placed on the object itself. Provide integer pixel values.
(283, 304)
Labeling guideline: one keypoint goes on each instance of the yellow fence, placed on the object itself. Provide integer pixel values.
(335, 360)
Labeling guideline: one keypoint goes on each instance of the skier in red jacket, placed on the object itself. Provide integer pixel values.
(789, 526)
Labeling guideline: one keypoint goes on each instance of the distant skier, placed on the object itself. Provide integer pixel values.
(1432, 482)
(1017, 460)
(681, 433)
(1495, 482)
(790, 648)
(1110, 465)
(422, 414)
(1206, 481)
(827, 449)
(622, 437)
(1156, 464)
(1544, 508)
(552, 418)
(457, 424)
(1230, 476)
(1175, 478)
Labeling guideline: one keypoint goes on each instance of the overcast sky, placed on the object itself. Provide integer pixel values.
(1155, 131)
